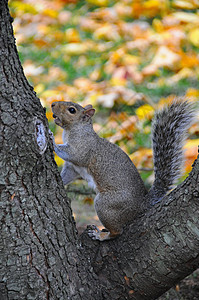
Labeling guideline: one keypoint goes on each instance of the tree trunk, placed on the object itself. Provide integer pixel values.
(41, 256)
(38, 240)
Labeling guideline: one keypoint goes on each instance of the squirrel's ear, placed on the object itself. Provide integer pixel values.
(89, 112)
(88, 106)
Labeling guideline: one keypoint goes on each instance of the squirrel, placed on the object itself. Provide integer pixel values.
(120, 192)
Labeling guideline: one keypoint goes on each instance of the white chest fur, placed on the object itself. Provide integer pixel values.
(83, 172)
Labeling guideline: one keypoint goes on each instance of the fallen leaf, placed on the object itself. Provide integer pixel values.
(143, 157)
(186, 17)
(166, 58)
(72, 35)
(185, 4)
(75, 48)
(107, 100)
(194, 36)
(98, 2)
(145, 112)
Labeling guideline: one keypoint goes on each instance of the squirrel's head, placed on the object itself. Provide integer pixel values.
(67, 114)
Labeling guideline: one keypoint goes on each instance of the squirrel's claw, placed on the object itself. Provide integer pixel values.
(92, 228)
(52, 138)
(51, 135)
(96, 234)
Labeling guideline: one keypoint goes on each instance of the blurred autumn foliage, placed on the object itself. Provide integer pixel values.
(126, 58)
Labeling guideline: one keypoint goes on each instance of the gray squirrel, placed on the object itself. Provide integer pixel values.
(120, 192)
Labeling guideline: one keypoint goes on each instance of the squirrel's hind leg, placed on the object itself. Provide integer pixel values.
(102, 235)
(108, 207)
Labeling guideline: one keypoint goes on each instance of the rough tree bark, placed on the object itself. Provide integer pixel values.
(41, 256)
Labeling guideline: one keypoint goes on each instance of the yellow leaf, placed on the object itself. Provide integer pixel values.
(129, 59)
(191, 92)
(93, 98)
(50, 96)
(191, 152)
(137, 8)
(117, 81)
(148, 8)
(185, 4)
(50, 13)
(59, 161)
(152, 4)
(164, 101)
(142, 157)
(72, 35)
(39, 88)
(194, 37)
(158, 26)
(24, 7)
(117, 55)
(49, 93)
(44, 29)
(145, 112)
(183, 73)
(189, 60)
(191, 144)
(98, 2)
(49, 115)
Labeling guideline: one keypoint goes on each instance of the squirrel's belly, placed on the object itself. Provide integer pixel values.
(86, 176)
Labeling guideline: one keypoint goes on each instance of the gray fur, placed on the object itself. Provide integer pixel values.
(169, 132)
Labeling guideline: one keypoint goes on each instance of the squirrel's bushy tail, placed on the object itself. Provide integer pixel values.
(169, 132)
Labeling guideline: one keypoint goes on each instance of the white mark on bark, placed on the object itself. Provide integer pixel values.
(40, 133)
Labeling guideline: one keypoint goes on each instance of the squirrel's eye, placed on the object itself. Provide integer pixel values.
(72, 110)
